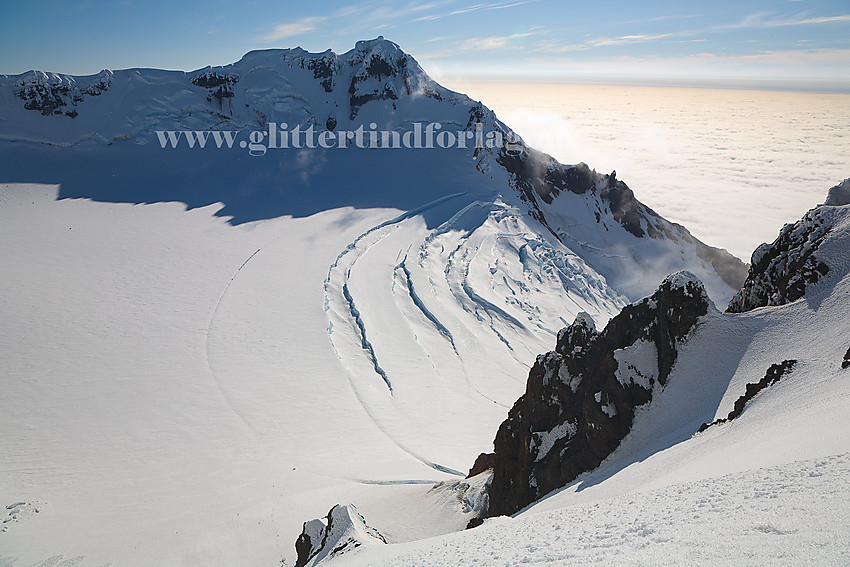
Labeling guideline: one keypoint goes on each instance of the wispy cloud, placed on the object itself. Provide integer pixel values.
(637, 38)
(753, 21)
(475, 8)
(763, 20)
(491, 43)
(291, 29)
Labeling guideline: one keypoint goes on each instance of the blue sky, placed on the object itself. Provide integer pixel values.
(794, 42)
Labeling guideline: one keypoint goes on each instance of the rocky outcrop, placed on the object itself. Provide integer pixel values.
(580, 399)
(219, 85)
(772, 376)
(52, 94)
(340, 532)
(379, 69)
(483, 462)
(780, 272)
(846, 362)
(536, 175)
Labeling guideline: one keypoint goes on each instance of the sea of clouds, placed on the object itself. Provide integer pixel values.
(731, 165)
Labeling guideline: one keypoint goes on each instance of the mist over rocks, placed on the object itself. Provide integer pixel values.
(580, 399)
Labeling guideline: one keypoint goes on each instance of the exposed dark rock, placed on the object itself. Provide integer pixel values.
(49, 94)
(342, 530)
(218, 85)
(358, 100)
(212, 80)
(45, 98)
(625, 208)
(474, 523)
(772, 376)
(780, 272)
(330, 124)
(325, 68)
(580, 399)
(535, 174)
(377, 67)
(846, 362)
(482, 463)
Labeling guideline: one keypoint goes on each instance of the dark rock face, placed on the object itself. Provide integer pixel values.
(373, 74)
(781, 271)
(772, 376)
(219, 85)
(581, 398)
(49, 94)
(211, 80)
(482, 463)
(325, 69)
(846, 362)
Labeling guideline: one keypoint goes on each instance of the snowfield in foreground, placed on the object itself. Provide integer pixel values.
(791, 514)
(212, 415)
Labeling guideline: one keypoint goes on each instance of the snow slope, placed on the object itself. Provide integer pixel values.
(765, 489)
(199, 351)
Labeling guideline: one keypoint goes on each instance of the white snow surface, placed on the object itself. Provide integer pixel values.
(545, 440)
(178, 389)
(637, 364)
(768, 488)
(343, 531)
(839, 195)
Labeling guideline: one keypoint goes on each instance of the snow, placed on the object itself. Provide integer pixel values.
(766, 489)
(722, 520)
(608, 408)
(839, 195)
(545, 440)
(197, 360)
(344, 534)
(682, 279)
(637, 364)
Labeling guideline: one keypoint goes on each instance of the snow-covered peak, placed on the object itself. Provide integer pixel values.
(596, 216)
(682, 279)
(687, 283)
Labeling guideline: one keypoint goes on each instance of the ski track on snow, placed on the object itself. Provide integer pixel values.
(216, 379)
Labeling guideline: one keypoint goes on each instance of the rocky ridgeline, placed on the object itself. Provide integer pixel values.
(771, 377)
(536, 175)
(580, 399)
(780, 272)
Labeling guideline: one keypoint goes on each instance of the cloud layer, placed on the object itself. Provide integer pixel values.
(733, 166)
